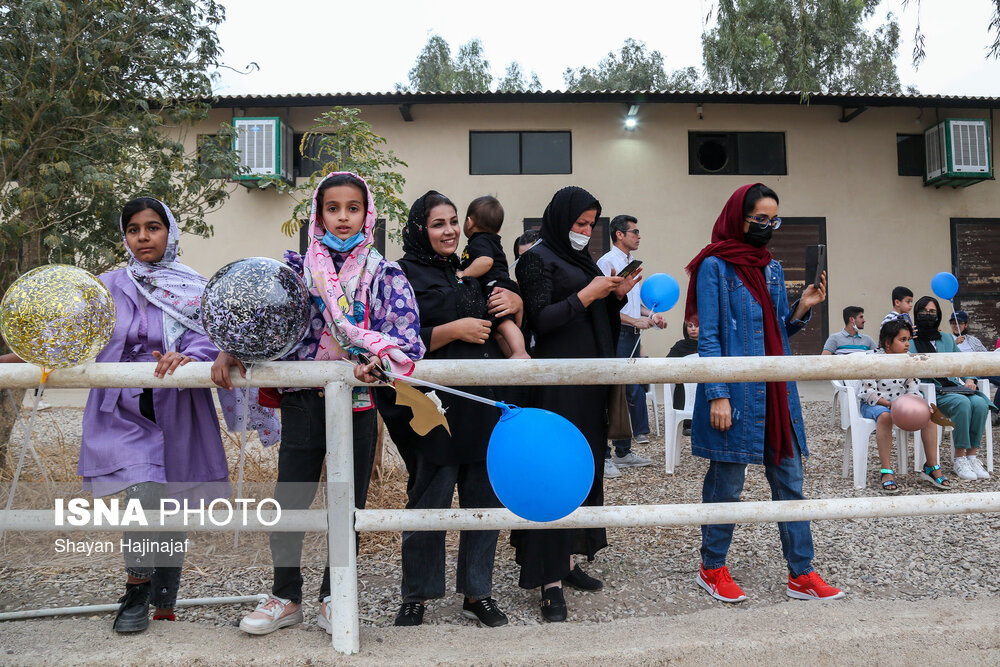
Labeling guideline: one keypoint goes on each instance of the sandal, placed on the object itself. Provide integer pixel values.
(889, 485)
(940, 482)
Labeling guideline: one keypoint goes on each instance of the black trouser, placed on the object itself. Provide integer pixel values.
(431, 486)
(300, 461)
(141, 551)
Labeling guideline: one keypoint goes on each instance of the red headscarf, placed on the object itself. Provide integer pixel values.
(728, 245)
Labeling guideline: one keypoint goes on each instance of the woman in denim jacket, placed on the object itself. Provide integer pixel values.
(737, 294)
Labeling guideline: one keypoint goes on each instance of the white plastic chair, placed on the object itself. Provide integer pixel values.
(858, 431)
(931, 394)
(673, 421)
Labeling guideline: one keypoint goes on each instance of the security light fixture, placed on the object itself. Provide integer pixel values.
(632, 118)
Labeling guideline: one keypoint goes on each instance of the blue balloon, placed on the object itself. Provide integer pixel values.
(659, 292)
(945, 285)
(540, 465)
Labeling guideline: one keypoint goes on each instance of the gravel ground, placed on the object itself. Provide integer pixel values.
(648, 572)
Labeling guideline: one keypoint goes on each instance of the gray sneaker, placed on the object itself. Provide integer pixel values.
(642, 439)
(610, 469)
(631, 460)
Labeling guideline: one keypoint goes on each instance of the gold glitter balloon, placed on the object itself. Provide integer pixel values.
(57, 316)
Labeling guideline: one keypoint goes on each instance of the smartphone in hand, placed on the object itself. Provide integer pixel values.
(815, 264)
(630, 268)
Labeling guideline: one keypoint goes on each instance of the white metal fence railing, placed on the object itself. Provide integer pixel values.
(343, 520)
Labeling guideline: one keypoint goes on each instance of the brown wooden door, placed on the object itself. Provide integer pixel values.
(975, 261)
(788, 246)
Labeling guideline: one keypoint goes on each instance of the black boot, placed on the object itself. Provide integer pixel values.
(553, 604)
(133, 613)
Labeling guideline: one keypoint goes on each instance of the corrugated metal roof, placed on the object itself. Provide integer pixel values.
(624, 96)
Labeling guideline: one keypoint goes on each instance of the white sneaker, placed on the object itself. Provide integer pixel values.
(978, 468)
(963, 469)
(325, 620)
(630, 460)
(270, 615)
(610, 469)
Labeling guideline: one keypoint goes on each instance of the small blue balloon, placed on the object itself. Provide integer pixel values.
(659, 292)
(945, 285)
(539, 464)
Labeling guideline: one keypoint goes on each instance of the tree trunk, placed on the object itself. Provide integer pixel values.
(17, 260)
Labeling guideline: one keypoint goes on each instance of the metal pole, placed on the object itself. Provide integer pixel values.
(682, 514)
(99, 608)
(345, 622)
(489, 372)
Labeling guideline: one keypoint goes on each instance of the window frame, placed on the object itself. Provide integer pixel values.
(732, 141)
(520, 152)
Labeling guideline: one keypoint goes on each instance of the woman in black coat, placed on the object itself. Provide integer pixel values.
(454, 324)
(572, 309)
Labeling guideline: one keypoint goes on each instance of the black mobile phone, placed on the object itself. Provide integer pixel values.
(629, 268)
(815, 264)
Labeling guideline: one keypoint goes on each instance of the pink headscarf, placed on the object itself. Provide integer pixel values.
(345, 293)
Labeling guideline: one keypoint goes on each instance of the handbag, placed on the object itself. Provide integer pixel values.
(619, 422)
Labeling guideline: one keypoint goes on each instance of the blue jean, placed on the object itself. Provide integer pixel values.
(635, 395)
(724, 484)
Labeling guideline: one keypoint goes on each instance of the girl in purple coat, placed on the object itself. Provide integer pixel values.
(157, 443)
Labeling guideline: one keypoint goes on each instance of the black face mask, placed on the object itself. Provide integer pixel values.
(758, 237)
(926, 322)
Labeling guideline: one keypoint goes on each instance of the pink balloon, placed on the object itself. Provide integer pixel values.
(910, 412)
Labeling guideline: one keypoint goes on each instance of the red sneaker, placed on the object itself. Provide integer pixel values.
(812, 587)
(720, 585)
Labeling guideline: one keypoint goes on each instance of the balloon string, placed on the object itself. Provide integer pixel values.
(449, 390)
(20, 461)
(243, 438)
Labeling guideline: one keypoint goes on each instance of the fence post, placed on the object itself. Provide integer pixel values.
(340, 501)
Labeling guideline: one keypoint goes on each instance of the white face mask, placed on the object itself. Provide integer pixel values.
(578, 241)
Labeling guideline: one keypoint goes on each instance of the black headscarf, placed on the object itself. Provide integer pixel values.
(416, 243)
(566, 206)
(923, 336)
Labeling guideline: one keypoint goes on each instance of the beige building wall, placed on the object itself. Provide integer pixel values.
(882, 229)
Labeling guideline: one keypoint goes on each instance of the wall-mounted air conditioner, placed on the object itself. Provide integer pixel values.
(957, 152)
(265, 147)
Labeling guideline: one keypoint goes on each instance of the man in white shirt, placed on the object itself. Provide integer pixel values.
(635, 318)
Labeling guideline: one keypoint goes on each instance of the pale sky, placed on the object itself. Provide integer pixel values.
(312, 46)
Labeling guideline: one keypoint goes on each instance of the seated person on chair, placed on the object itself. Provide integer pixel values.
(876, 402)
(958, 398)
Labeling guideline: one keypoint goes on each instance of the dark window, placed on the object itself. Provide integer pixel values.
(520, 153)
(976, 264)
(910, 154)
(208, 144)
(379, 236)
(305, 163)
(788, 246)
(758, 153)
(600, 242)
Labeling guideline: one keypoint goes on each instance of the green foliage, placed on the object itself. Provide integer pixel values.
(342, 141)
(634, 67)
(436, 70)
(804, 45)
(94, 94)
(513, 80)
(472, 69)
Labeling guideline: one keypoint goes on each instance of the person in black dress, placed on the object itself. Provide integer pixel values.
(682, 348)
(454, 324)
(572, 309)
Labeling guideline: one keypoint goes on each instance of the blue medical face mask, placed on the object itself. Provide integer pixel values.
(338, 244)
